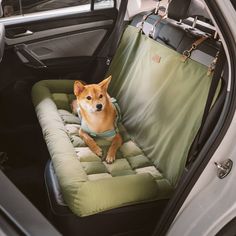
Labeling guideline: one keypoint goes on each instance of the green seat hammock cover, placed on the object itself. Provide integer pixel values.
(161, 100)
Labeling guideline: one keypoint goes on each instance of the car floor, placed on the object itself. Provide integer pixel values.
(21, 139)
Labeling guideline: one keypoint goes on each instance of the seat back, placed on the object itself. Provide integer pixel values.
(161, 97)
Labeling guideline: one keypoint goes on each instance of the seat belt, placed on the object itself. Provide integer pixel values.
(199, 142)
(107, 52)
(117, 32)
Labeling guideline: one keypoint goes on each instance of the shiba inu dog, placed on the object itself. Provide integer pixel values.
(99, 116)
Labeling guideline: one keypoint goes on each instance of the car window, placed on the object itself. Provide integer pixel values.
(23, 7)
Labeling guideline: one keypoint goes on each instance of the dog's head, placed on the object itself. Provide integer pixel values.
(92, 97)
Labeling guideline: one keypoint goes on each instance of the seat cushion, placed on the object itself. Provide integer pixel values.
(88, 184)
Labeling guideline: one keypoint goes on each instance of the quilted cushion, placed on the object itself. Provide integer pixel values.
(88, 184)
(130, 158)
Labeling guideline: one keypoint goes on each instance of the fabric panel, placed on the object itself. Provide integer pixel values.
(162, 105)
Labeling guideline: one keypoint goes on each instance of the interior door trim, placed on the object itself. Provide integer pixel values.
(58, 31)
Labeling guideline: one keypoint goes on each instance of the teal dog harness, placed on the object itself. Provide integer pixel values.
(108, 133)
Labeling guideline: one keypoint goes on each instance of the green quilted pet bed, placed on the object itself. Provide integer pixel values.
(162, 103)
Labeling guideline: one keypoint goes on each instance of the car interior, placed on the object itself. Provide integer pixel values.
(162, 72)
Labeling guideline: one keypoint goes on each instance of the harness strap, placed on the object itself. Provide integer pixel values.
(108, 133)
(116, 34)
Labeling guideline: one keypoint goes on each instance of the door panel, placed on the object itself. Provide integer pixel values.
(12, 38)
(80, 44)
(56, 45)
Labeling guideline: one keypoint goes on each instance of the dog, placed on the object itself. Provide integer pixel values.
(99, 115)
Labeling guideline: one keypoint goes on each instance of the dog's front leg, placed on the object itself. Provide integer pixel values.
(115, 144)
(90, 143)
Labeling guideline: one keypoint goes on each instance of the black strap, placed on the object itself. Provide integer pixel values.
(115, 36)
(198, 143)
(103, 59)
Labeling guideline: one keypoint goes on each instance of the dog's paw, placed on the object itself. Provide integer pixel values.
(110, 159)
(97, 150)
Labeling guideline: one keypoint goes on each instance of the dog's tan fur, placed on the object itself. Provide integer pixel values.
(98, 121)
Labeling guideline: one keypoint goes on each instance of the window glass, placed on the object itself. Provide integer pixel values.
(30, 6)
(10, 7)
(22, 7)
(19, 7)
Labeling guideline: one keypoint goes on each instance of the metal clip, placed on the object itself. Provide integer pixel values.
(187, 53)
(212, 66)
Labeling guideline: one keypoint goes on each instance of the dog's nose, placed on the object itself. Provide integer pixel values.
(99, 107)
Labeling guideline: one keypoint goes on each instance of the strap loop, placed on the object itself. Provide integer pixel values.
(157, 22)
(143, 20)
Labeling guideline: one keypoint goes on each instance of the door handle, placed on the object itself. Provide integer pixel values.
(26, 33)
(28, 57)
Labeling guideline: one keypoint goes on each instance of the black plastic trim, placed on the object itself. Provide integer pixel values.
(20, 212)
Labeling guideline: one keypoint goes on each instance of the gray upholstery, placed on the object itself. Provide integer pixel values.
(177, 37)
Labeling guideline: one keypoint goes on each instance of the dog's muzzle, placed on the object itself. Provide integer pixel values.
(99, 107)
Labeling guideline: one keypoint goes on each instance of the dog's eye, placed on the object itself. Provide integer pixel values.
(89, 97)
(100, 96)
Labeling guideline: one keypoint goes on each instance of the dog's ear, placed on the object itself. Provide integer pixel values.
(105, 83)
(78, 87)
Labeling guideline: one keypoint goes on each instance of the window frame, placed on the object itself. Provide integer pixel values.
(48, 14)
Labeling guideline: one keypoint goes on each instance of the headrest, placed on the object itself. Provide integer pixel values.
(2, 40)
(182, 9)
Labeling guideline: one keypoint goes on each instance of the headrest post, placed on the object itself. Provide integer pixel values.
(194, 22)
(167, 6)
(157, 7)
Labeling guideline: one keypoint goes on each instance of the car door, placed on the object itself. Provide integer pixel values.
(59, 42)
